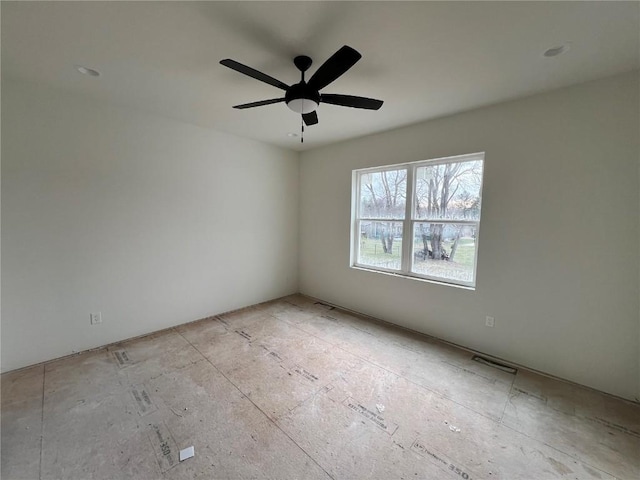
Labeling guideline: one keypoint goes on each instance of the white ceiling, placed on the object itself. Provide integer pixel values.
(424, 59)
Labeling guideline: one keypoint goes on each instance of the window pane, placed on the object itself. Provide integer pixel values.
(383, 194)
(380, 244)
(449, 191)
(446, 251)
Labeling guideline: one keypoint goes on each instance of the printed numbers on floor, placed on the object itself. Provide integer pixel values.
(462, 473)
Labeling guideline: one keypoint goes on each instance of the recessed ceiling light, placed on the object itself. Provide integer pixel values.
(291, 134)
(87, 71)
(555, 51)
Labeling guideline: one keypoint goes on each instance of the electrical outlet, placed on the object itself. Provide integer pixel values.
(490, 322)
(95, 318)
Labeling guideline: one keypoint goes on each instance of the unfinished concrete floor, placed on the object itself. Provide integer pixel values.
(294, 389)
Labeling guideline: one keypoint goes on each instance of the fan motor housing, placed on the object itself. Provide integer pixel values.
(301, 98)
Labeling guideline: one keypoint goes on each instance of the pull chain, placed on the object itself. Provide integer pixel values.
(301, 129)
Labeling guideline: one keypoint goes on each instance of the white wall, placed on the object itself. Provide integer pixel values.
(558, 250)
(149, 221)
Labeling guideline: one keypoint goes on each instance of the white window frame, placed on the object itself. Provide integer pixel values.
(409, 222)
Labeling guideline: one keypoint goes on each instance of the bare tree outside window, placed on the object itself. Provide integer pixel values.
(449, 191)
(383, 197)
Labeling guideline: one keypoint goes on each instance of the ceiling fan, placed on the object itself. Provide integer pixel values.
(305, 97)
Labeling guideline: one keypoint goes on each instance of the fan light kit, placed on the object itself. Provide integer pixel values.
(302, 105)
(305, 97)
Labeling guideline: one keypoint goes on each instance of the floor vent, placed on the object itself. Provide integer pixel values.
(491, 363)
(330, 307)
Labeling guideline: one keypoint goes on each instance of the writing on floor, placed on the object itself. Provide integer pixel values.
(244, 334)
(614, 426)
(372, 416)
(441, 460)
(222, 320)
(163, 445)
(275, 355)
(122, 357)
(529, 394)
(143, 400)
(305, 373)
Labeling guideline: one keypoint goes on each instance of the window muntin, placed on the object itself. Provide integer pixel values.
(433, 236)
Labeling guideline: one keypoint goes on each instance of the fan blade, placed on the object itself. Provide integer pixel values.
(310, 118)
(259, 104)
(338, 63)
(351, 101)
(253, 73)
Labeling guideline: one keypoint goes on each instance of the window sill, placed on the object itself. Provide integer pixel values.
(410, 277)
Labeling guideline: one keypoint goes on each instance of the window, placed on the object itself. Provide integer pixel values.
(434, 234)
